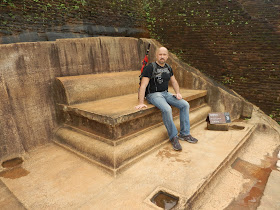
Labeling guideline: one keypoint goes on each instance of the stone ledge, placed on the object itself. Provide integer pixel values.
(116, 117)
(118, 156)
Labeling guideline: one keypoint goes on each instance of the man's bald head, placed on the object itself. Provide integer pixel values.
(162, 49)
(161, 55)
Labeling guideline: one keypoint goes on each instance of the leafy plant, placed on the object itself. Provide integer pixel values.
(227, 80)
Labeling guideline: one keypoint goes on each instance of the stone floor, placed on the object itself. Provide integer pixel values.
(53, 178)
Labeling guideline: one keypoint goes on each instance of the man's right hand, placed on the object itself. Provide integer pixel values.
(141, 93)
(140, 106)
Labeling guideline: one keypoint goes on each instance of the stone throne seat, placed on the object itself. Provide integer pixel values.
(99, 121)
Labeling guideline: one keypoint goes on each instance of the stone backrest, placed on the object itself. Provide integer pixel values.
(84, 88)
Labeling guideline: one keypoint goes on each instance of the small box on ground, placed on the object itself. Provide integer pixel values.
(218, 121)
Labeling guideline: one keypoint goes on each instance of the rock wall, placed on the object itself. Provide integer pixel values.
(27, 72)
(32, 20)
(235, 42)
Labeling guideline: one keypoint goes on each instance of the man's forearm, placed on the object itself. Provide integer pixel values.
(176, 87)
(141, 95)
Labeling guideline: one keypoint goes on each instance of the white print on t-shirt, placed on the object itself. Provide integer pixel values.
(159, 73)
(163, 70)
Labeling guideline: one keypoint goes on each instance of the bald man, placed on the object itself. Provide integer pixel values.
(154, 86)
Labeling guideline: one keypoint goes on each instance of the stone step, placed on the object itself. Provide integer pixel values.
(117, 155)
(114, 118)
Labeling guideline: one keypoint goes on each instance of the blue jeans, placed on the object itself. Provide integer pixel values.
(163, 100)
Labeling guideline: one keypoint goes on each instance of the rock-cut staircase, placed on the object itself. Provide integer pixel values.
(99, 122)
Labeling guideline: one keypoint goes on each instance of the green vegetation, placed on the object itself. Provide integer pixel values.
(58, 12)
(276, 115)
(228, 79)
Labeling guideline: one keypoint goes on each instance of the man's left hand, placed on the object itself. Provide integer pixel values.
(178, 96)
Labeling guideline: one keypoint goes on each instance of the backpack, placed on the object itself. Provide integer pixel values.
(153, 73)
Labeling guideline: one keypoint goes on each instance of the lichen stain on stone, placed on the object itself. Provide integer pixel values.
(14, 173)
(258, 175)
(14, 169)
(167, 152)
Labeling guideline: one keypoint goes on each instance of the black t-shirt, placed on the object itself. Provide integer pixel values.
(158, 82)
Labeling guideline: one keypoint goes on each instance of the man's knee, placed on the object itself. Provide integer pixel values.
(185, 104)
(166, 109)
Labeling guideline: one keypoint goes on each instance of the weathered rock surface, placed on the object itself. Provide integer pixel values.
(28, 71)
